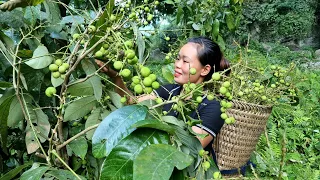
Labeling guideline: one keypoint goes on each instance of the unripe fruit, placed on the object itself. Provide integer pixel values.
(193, 71)
(50, 91)
(210, 97)
(66, 65)
(222, 109)
(206, 165)
(273, 67)
(125, 73)
(117, 65)
(123, 99)
(98, 54)
(216, 76)
(146, 9)
(153, 77)
(138, 89)
(223, 90)
(62, 69)
(147, 81)
(159, 100)
(105, 46)
(224, 116)
(92, 28)
(75, 36)
(226, 84)
(62, 76)
(273, 85)
(164, 112)
(232, 119)
(145, 71)
(264, 98)
(53, 67)
(113, 17)
(240, 93)
(199, 99)
(156, 2)
(167, 38)
(217, 175)
(56, 74)
(228, 105)
(135, 79)
(192, 86)
(175, 107)
(58, 62)
(129, 43)
(148, 90)
(202, 152)
(155, 85)
(130, 54)
(149, 18)
(227, 121)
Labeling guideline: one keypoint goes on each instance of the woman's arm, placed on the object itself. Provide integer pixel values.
(204, 141)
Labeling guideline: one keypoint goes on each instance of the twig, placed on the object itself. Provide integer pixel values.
(54, 152)
(76, 136)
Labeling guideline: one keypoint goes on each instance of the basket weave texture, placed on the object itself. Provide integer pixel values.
(235, 142)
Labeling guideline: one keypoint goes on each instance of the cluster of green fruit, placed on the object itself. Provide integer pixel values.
(50, 91)
(206, 164)
(140, 14)
(144, 82)
(58, 68)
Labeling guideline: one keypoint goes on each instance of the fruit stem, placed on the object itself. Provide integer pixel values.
(54, 152)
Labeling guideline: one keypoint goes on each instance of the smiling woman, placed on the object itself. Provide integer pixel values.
(203, 57)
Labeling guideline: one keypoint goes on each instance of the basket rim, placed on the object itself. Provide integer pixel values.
(252, 104)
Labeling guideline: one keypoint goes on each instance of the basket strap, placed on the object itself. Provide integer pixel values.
(235, 171)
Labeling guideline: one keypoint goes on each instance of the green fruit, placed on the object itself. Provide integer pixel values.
(228, 105)
(192, 71)
(53, 67)
(145, 1)
(75, 36)
(216, 76)
(117, 65)
(50, 91)
(92, 28)
(62, 76)
(167, 38)
(273, 67)
(125, 73)
(232, 119)
(149, 17)
(133, 61)
(240, 93)
(206, 165)
(130, 54)
(145, 23)
(224, 116)
(84, 162)
(223, 103)
(145, 71)
(105, 46)
(159, 100)
(62, 69)
(223, 90)
(217, 175)
(58, 62)
(227, 121)
(192, 86)
(199, 99)
(56, 74)
(113, 17)
(264, 98)
(146, 9)
(156, 2)
(135, 79)
(273, 85)
(138, 89)
(148, 90)
(210, 97)
(164, 112)
(226, 84)
(98, 54)
(153, 77)
(129, 44)
(202, 152)
(175, 107)
(155, 85)
(147, 81)
(66, 65)
(123, 100)
(223, 109)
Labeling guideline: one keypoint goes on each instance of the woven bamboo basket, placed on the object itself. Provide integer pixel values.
(235, 143)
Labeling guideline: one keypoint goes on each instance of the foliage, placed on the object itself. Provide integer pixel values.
(276, 20)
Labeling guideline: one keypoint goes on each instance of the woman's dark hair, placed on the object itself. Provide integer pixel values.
(209, 53)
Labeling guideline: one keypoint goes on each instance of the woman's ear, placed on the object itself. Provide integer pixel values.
(205, 70)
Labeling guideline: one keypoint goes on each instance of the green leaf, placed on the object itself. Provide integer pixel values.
(230, 21)
(115, 98)
(81, 89)
(196, 26)
(53, 16)
(107, 12)
(173, 120)
(221, 42)
(15, 113)
(140, 42)
(34, 173)
(119, 163)
(11, 174)
(167, 72)
(95, 81)
(79, 146)
(56, 81)
(40, 58)
(13, 18)
(41, 125)
(157, 161)
(93, 119)
(179, 14)
(63, 174)
(155, 124)
(116, 126)
(188, 140)
(32, 14)
(86, 104)
(4, 112)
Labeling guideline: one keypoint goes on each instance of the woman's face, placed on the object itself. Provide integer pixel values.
(188, 58)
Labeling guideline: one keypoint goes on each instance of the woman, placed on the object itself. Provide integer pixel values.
(205, 56)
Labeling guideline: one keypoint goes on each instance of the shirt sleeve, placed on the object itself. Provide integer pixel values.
(210, 116)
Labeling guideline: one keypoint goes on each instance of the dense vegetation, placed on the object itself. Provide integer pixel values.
(44, 134)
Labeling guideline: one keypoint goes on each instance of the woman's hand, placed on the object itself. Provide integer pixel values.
(106, 69)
